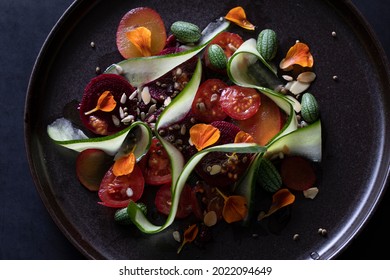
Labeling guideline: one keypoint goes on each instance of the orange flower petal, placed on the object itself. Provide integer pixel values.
(235, 209)
(105, 103)
(189, 236)
(243, 137)
(238, 16)
(204, 135)
(298, 54)
(141, 38)
(124, 165)
(281, 198)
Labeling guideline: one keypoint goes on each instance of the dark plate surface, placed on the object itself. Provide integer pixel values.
(355, 114)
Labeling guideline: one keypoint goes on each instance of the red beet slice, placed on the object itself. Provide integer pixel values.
(105, 123)
(232, 165)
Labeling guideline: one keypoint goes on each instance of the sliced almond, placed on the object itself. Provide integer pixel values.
(311, 193)
(210, 219)
(287, 78)
(299, 87)
(306, 77)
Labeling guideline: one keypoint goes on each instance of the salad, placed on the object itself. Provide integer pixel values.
(204, 120)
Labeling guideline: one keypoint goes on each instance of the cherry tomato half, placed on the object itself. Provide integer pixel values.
(156, 165)
(206, 106)
(240, 103)
(163, 201)
(117, 191)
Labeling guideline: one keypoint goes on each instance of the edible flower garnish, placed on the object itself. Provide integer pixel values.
(238, 16)
(105, 103)
(281, 198)
(243, 137)
(189, 236)
(141, 37)
(124, 165)
(299, 54)
(235, 208)
(204, 135)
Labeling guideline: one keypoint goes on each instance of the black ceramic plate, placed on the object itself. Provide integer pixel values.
(354, 112)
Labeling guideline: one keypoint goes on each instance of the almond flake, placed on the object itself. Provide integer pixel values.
(306, 77)
(311, 193)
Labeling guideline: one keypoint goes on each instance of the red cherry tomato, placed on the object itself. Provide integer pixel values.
(228, 41)
(117, 191)
(240, 103)
(163, 201)
(156, 165)
(206, 106)
(266, 123)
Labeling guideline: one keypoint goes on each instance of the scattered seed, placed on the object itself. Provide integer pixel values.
(322, 231)
(334, 34)
(214, 97)
(183, 130)
(296, 237)
(121, 113)
(179, 71)
(152, 109)
(167, 101)
(210, 219)
(92, 44)
(335, 78)
(287, 78)
(133, 95)
(115, 120)
(145, 95)
(176, 236)
(201, 107)
(123, 98)
(128, 119)
(215, 169)
(129, 192)
(255, 235)
(97, 70)
(142, 116)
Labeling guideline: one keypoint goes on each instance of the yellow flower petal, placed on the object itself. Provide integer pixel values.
(238, 16)
(299, 54)
(204, 135)
(124, 165)
(141, 38)
(281, 198)
(105, 103)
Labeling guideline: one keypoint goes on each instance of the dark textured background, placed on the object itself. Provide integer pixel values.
(26, 229)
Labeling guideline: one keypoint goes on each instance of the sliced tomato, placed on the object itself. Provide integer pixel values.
(118, 191)
(206, 106)
(91, 165)
(265, 124)
(297, 173)
(156, 165)
(240, 103)
(141, 17)
(228, 41)
(163, 201)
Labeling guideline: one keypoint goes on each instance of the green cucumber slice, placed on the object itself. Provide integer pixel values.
(110, 144)
(141, 70)
(140, 220)
(306, 142)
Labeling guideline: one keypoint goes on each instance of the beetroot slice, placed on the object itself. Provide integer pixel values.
(233, 166)
(100, 122)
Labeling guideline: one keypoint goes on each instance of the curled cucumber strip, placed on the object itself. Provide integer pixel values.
(110, 144)
(174, 112)
(142, 70)
(138, 217)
